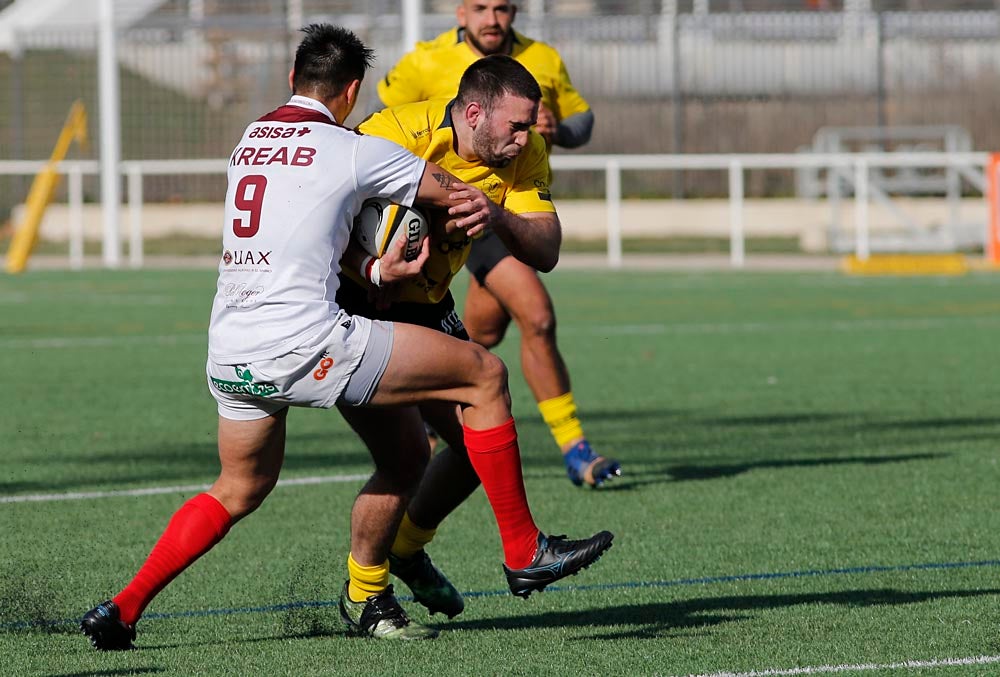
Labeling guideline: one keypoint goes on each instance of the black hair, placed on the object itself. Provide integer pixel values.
(492, 77)
(328, 59)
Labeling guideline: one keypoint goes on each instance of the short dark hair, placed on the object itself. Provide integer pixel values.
(495, 76)
(328, 59)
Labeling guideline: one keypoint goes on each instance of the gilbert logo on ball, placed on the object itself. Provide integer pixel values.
(381, 223)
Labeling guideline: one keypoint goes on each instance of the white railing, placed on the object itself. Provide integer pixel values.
(971, 166)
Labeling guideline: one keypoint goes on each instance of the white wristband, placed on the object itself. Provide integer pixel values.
(371, 270)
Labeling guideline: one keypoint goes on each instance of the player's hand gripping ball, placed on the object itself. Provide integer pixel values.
(381, 223)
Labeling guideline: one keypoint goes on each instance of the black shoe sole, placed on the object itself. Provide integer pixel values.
(525, 588)
(96, 640)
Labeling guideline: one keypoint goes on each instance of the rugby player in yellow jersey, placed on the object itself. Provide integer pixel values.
(483, 137)
(502, 287)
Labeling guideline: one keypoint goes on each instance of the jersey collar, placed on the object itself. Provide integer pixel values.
(311, 104)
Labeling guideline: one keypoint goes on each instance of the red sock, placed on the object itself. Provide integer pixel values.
(496, 459)
(193, 530)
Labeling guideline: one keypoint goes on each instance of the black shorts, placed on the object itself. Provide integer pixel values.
(440, 316)
(484, 255)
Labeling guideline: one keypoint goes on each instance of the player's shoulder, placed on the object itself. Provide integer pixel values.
(449, 38)
(431, 112)
(536, 49)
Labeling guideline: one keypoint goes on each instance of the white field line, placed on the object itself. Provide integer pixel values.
(151, 491)
(859, 667)
(905, 324)
(62, 342)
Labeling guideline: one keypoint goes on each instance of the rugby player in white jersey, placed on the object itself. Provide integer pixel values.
(277, 339)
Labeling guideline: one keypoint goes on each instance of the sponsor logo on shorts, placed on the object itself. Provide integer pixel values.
(451, 324)
(324, 367)
(245, 386)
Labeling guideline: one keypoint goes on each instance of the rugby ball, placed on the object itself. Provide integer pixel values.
(380, 223)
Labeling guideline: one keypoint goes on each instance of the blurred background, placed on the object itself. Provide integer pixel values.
(663, 77)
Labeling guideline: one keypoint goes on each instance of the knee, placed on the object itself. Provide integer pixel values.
(488, 338)
(538, 323)
(486, 332)
(491, 374)
(242, 498)
(400, 479)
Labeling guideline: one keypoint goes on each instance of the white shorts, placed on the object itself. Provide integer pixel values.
(341, 364)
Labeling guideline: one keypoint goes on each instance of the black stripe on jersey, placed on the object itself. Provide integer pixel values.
(447, 122)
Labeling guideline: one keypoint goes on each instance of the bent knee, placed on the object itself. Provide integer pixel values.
(491, 373)
(242, 499)
(539, 323)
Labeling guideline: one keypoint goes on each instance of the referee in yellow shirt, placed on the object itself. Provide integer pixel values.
(501, 287)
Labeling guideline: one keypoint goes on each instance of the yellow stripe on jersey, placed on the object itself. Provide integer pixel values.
(426, 130)
(434, 69)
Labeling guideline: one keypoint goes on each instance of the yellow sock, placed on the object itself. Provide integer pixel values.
(560, 415)
(366, 581)
(410, 538)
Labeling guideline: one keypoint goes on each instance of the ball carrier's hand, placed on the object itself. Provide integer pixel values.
(476, 213)
(394, 268)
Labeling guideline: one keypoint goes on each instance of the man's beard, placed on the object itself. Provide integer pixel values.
(502, 48)
(483, 144)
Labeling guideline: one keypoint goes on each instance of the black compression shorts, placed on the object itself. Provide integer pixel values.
(440, 316)
(484, 255)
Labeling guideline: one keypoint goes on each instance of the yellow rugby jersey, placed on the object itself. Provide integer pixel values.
(434, 68)
(522, 187)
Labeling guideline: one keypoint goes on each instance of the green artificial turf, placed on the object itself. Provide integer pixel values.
(810, 479)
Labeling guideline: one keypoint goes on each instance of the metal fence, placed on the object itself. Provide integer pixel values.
(670, 76)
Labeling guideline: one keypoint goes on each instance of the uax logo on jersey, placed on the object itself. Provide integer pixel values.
(324, 368)
(247, 257)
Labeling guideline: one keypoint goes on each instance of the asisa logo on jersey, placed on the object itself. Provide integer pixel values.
(246, 257)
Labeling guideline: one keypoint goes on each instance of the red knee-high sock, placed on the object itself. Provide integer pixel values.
(497, 460)
(193, 530)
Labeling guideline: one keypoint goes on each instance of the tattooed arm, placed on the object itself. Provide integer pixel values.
(467, 206)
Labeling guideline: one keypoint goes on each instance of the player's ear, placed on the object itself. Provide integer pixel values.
(460, 15)
(473, 114)
(513, 12)
(351, 95)
(291, 80)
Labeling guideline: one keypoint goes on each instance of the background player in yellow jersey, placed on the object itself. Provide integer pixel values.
(484, 137)
(503, 287)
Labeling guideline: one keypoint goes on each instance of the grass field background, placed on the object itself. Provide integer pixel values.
(810, 480)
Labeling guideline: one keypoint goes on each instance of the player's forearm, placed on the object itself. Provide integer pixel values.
(533, 239)
(436, 187)
(575, 130)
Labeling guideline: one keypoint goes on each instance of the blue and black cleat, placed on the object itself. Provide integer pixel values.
(585, 467)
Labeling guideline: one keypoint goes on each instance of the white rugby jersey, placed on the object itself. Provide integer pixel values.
(296, 181)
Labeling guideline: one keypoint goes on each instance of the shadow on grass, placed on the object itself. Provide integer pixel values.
(708, 472)
(654, 620)
(936, 423)
(179, 464)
